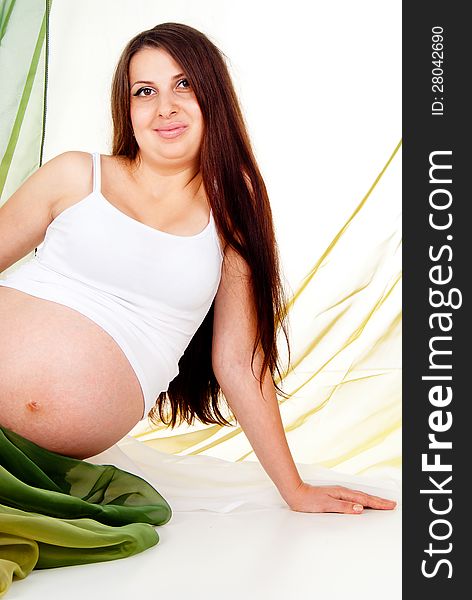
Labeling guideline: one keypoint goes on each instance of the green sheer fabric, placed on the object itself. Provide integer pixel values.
(58, 511)
(23, 68)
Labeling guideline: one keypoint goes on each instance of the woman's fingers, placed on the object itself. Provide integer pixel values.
(363, 499)
(338, 499)
(342, 506)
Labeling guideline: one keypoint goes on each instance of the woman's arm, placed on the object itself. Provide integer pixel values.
(26, 215)
(261, 422)
(259, 414)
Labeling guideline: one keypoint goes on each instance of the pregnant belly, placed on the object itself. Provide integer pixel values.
(65, 384)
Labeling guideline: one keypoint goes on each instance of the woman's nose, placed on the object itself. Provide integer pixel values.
(167, 114)
(166, 105)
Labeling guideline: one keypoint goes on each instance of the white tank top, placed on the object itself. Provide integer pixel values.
(150, 290)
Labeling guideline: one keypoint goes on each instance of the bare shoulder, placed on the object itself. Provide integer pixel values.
(70, 176)
(72, 168)
(66, 173)
(65, 165)
(25, 215)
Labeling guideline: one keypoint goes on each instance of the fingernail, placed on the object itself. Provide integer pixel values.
(358, 507)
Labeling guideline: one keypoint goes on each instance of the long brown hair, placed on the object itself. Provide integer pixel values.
(240, 205)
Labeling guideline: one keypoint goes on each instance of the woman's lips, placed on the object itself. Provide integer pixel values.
(171, 133)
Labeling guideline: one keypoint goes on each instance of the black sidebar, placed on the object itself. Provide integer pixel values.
(437, 345)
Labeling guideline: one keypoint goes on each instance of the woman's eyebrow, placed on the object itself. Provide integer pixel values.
(152, 82)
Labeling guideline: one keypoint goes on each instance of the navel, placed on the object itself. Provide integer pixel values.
(32, 405)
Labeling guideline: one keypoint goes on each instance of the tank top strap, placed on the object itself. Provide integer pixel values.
(96, 172)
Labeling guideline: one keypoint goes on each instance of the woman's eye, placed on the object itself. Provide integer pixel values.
(148, 89)
(138, 93)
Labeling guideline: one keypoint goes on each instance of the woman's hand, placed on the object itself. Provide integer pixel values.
(339, 499)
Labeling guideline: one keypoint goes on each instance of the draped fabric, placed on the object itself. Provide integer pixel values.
(57, 511)
(23, 61)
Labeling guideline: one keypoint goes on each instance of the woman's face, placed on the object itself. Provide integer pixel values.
(161, 96)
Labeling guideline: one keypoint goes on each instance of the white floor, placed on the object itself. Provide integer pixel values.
(232, 536)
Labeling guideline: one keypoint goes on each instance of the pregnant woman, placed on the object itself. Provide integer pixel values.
(154, 286)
